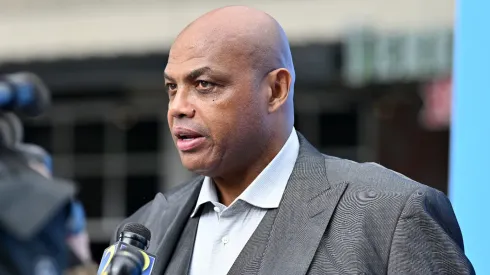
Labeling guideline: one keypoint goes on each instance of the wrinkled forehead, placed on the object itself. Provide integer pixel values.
(219, 52)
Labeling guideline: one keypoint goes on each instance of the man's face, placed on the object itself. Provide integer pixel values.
(215, 108)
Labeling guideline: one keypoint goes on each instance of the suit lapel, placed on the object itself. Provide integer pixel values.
(250, 258)
(286, 240)
(181, 260)
(296, 237)
(175, 216)
(304, 213)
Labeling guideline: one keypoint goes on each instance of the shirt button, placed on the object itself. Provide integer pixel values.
(216, 209)
(225, 240)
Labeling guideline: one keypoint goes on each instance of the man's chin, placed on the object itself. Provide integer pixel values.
(197, 165)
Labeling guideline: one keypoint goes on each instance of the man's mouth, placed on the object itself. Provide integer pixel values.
(188, 139)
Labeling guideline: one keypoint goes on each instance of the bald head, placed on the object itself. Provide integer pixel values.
(252, 36)
(230, 79)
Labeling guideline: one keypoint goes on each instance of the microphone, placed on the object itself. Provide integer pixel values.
(23, 92)
(127, 256)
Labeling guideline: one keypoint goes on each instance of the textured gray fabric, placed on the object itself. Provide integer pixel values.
(336, 217)
(181, 258)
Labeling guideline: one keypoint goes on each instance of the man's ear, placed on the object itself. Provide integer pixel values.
(279, 85)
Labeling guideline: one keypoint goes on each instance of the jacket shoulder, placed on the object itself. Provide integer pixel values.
(370, 175)
(388, 192)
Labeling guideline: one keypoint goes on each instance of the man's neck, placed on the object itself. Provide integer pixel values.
(230, 186)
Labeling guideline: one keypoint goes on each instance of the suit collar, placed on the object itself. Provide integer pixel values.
(300, 221)
(304, 214)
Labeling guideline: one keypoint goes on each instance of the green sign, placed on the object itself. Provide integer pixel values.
(382, 58)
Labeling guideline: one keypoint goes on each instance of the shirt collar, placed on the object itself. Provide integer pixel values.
(267, 189)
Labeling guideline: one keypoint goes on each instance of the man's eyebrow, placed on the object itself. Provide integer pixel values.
(167, 77)
(192, 75)
(197, 73)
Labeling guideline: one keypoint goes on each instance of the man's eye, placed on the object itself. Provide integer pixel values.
(171, 86)
(204, 85)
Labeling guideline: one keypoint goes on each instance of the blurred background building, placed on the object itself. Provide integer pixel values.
(373, 84)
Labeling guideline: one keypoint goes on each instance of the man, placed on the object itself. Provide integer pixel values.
(267, 202)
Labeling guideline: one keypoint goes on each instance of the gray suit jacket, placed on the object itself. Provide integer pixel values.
(336, 217)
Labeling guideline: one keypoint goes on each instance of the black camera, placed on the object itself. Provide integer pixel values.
(34, 208)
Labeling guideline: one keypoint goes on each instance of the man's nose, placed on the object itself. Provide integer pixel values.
(180, 106)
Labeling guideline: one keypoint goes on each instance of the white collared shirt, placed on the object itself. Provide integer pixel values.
(223, 231)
